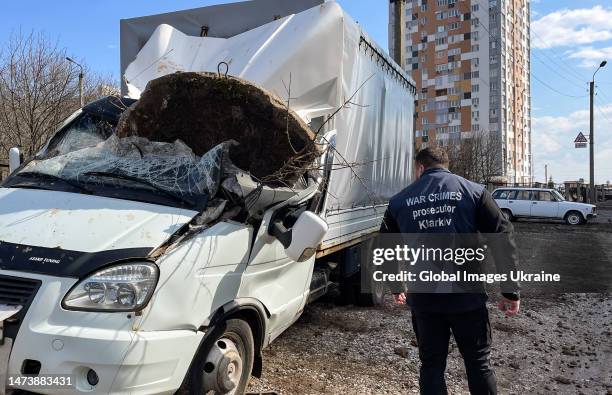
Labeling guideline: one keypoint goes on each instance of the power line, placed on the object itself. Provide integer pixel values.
(580, 80)
(497, 39)
(561, 63)
(555, 90)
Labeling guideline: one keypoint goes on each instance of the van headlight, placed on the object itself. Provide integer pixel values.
(124, 287)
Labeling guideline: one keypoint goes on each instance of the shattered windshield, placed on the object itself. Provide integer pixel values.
(89, 154)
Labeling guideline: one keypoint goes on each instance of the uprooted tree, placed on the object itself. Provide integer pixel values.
(478, 158)
(38, 90)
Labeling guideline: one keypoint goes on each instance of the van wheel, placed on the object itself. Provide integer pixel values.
(227, 364)
(508, 214)
(574, 218)
(374, 296)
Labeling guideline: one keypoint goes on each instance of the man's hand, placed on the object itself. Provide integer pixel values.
(400, 298)
(510, 307)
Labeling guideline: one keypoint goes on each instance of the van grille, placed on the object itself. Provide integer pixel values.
(17, 291)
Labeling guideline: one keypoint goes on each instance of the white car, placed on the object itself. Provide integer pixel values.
(541, 203)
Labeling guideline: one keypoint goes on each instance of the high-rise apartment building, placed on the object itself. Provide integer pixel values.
(470, 61)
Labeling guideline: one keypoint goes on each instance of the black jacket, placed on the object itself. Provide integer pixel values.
(441, 202)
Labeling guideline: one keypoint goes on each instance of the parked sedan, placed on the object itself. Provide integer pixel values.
(541, 203)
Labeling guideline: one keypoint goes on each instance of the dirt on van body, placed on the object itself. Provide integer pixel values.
(559, 344)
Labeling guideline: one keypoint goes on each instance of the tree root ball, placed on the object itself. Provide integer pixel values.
(204, 109)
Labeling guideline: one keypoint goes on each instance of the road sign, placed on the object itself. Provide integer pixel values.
(581, 138)
(581, 141)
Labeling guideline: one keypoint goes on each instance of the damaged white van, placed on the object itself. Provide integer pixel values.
(138, 265)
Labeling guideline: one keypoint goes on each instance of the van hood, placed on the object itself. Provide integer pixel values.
(41, 227)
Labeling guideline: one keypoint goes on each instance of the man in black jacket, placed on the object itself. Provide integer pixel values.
(436, 315)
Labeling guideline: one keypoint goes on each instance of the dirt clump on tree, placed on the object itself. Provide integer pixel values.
(204, 109)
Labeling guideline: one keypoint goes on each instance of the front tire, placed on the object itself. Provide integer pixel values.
(574, 218)
(225, 366)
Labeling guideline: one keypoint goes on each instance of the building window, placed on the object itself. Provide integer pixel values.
(475, 7)
(441, 105)
(453, 26)
(424, 7)
(475, 88)
(453, 13)
(441, 41)
(441, 118)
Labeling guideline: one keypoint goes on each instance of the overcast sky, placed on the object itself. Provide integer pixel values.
(569, 40)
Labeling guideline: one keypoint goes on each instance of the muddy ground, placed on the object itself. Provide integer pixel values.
(559, 344)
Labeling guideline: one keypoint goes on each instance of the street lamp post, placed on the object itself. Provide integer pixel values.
(593, 194)
(81, 77)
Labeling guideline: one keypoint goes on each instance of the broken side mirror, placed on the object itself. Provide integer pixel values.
(302, 240)
(14, 159)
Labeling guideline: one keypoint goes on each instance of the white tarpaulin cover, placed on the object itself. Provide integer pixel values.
(327, 58)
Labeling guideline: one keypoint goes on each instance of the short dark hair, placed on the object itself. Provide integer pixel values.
(432, 157)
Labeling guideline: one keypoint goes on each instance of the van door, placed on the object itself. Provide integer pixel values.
(544, 205)
(280, 283)
(521, 204)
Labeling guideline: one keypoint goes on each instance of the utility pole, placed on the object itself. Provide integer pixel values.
(81, 78)
(546, 174)
(593, 192)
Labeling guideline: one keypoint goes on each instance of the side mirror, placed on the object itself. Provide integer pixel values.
(302, 240)
(14, 159)
(306, 235)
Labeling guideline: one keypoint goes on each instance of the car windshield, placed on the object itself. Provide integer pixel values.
(87, 157)
(558, 196)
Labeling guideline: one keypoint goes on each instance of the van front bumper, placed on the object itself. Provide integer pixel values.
(70, 343)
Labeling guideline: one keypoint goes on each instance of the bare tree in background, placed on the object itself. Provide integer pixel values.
(38, 90)
(478, 158)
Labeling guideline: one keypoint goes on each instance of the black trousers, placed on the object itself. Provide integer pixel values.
(472, 332)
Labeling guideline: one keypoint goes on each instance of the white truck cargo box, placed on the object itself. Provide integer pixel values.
(328, 59)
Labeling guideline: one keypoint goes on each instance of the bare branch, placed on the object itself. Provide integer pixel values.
(38, 90)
